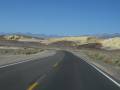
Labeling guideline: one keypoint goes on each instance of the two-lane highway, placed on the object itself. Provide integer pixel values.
(63, 71)
(73, 73)
(20, 76)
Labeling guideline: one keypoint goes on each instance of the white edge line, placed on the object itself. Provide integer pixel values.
(11, 64)
(115, 82)
(106, 75)
(27, 60)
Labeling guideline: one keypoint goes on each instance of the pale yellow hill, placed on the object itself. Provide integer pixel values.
(14, 37)
(21, 38)
(112, 43)
(78, 40)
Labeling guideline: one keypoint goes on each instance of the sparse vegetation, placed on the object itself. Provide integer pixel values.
(90, 45)
(112, 43)
(109, 57)
(93, 45)
(26, 51)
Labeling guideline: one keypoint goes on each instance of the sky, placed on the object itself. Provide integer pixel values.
(60, 17)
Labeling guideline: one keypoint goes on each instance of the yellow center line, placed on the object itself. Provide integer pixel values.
(33, 86)
(55, 65)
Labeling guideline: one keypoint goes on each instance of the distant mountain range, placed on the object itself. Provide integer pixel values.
(105, 36)
(39, 36)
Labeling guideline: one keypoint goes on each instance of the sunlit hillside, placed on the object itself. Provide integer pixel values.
(108, 43)
(20, 38)
(16, 37)
(112, 43)
(78, 40)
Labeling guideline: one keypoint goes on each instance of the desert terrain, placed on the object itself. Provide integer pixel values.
(103, 52)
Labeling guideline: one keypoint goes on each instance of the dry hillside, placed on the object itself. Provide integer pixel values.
(112, 43)
(78, 40)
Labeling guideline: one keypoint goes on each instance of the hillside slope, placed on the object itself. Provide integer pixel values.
(112, 43)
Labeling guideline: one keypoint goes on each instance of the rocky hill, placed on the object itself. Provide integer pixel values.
(73, 41)
(111, 43)
(89, 41)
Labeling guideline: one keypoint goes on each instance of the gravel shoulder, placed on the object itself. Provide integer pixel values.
(8, 59)
(109, 69)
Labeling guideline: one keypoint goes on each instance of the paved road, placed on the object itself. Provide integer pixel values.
(63, 71)
(20, 76)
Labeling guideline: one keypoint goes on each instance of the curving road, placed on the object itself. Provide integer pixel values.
(63, 71)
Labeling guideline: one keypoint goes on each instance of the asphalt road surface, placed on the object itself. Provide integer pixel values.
(63, 71)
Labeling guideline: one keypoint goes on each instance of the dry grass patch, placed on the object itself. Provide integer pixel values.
(109, 57)
(26, 51)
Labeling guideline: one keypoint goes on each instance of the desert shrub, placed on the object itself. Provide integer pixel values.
(112, 58)
(108, 61)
